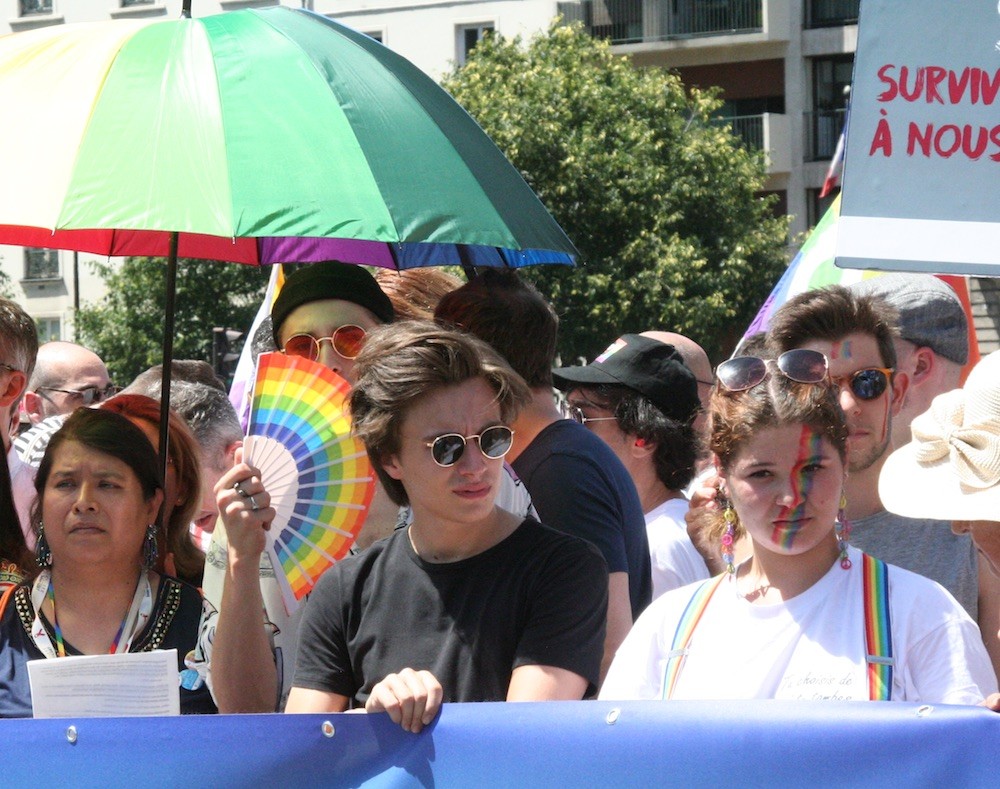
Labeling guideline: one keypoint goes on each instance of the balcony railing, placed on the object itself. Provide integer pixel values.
(831, 13)
(633, 21)
(823, 128)
(749, 129)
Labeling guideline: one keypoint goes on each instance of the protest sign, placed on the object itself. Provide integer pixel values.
(922, 171)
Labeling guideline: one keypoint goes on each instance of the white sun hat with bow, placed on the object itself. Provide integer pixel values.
(951, 468)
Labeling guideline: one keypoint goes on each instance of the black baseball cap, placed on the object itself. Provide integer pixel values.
(330, 279)
(652, 368)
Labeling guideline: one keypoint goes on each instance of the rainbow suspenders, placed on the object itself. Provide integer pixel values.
(878, 630)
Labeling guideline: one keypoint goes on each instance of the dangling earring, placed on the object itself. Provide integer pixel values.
(728, 555)
(149, 547)
(843, 531)
(43, 554)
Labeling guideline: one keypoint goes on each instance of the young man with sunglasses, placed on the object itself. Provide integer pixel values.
(469, 602)
(857, 334)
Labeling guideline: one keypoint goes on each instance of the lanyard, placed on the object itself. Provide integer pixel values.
(134, 622)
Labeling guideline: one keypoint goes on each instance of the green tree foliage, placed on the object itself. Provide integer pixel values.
(126, 327)
(663, 204)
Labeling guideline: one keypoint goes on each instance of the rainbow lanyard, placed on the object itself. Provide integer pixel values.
(685, 630)
(878, 630)
(134, 621)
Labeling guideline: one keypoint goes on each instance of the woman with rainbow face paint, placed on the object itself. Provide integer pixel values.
(806, 616)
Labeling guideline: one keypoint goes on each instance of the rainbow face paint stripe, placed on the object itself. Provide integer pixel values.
(810, 452)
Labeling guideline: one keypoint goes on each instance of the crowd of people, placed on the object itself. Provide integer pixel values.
(640, 527)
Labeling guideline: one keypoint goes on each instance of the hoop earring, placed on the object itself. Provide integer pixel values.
(729, 538)
(149, 551)
(43, 554)
(842, 529)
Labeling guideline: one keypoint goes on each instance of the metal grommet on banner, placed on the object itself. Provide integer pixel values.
(612, 716)
(328, 729)
(71, 735)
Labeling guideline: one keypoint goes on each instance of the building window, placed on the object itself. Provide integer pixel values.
(467, 36)
(41, 263)
(29, 7)
(49, 329)
(377, 35)
(129, 3)
(831, 92)
(831, 13)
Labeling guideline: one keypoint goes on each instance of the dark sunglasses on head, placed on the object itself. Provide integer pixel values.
(745, 372)
(867, 384)
(88, 396)
(494, 443)
(346, 341)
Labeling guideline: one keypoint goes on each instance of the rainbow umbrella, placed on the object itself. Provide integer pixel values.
(255, 136)
(259, 136)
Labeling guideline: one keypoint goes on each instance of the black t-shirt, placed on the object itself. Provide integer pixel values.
(536, 598)
(579, 486)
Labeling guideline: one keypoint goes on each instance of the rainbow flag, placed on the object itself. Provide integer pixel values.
(242, 388)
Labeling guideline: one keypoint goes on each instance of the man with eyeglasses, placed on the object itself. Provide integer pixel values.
(66, 377)
(857, 334)
(642, 400)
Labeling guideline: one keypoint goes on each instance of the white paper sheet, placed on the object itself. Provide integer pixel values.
(102, 686)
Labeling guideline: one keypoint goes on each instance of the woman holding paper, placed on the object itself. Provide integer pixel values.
(99, 492)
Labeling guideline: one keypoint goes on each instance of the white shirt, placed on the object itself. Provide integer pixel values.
(809, 647)
(22, 483)
(675, 560)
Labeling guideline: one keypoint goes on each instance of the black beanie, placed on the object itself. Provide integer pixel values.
(330, 280)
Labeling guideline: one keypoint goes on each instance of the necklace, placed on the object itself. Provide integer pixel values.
(133, 622)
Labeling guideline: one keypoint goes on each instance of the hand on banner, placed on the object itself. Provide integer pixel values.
(412, 698)
(992, 702)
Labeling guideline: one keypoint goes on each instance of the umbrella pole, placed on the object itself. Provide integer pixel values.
(168, 355)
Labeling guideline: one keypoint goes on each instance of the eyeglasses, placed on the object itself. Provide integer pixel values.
(6, 366)
(576, 414)
(867, 384)
(745, 372)
(86, 396)
(346, 341)
(494, 443)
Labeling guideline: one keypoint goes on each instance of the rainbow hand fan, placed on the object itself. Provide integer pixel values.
(319, 476)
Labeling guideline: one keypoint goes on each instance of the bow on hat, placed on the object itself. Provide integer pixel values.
(969, 440)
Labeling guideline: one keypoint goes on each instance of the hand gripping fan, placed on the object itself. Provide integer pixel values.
(319, 476)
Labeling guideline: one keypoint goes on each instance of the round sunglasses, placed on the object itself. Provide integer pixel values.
(867, 384)
(494, 442)
(744, 372)
(346, 341)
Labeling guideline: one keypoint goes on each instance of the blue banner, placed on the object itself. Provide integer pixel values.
(558, 744)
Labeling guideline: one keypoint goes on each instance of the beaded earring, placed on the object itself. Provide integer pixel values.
(43, 554)
(149, 547)
(729, 538)
(843, 531)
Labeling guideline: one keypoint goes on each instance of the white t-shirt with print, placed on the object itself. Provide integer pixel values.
(809, 647)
